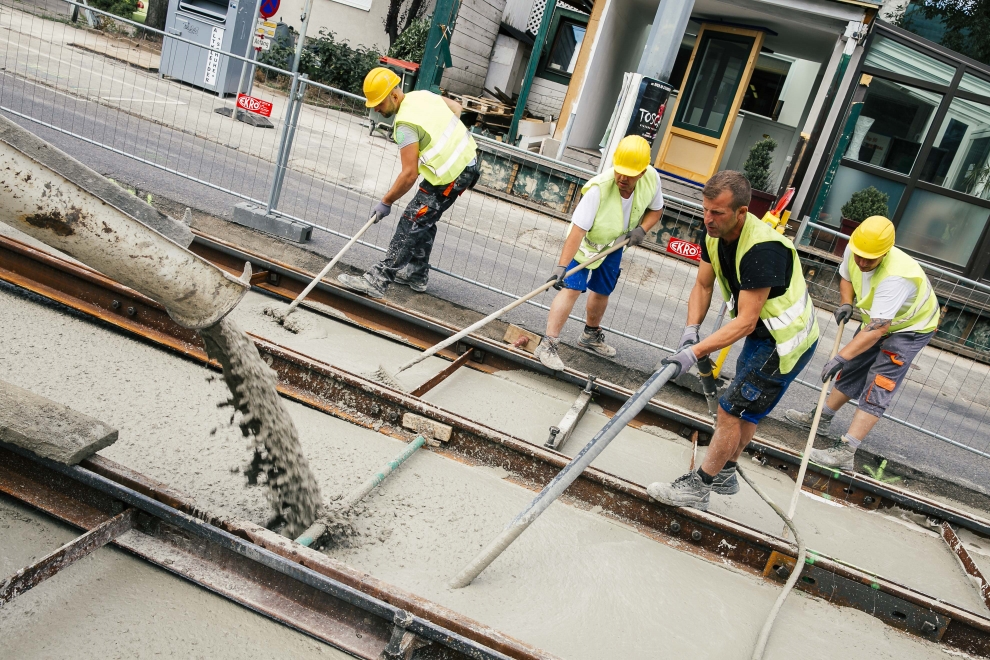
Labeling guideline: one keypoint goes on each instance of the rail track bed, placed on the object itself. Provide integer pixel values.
(605, 573)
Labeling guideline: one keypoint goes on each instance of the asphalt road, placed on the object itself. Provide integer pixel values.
(518, 268)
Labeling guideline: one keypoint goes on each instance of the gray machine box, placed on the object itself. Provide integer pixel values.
(222, 24)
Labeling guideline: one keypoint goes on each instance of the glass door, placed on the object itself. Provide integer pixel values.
(714, 82)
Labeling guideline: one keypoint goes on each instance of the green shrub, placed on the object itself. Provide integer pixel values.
(411, 44)
(757, 167)
(328, 61)
(866, 203)
(122, 8)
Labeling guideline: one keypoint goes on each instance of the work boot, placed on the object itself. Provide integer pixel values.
(546, 353)
(361, 284)
(688, 490)
(839, 456)
(595, 341)
(417, 284)
(726, 482)
(804, 420)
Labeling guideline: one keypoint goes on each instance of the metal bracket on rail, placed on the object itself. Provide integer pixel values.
(560, 433)
(403, 644)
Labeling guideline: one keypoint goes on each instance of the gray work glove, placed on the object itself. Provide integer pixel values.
(635, 236)
(833, 367)
(381, 210)
(843, 313)
(690, 336)
(558, 277)
(684, 359)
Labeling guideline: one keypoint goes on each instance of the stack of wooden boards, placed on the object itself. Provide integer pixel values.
(488, 114)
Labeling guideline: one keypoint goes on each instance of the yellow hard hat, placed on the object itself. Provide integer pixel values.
(632, 155)
(873, 238)
(377, 85)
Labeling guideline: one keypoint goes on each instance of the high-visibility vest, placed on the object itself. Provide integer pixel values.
(451, 146)
(790, 318)
(923, 313)
(609, 219)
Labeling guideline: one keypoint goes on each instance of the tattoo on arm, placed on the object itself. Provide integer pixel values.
(877, 324)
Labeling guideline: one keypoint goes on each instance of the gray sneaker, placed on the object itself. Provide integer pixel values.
(688, 490)
(726, 482)
(417, 284)
(804, 420)
(361, 285)
(595, 341)
(546, 353)
(839, 456)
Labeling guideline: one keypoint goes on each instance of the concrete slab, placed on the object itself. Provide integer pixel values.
(50, 429)
(253, 216)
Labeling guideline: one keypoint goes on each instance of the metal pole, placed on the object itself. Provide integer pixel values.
(307, 11)
(534, 60)
(566, 477)
(249, 55)
(288, 135)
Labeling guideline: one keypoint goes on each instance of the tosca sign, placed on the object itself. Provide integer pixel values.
(684, 249)
(252, 104)
(651, 102)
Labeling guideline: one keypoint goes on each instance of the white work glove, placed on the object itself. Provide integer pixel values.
(684, 359)
(381, 210)
(690, 336)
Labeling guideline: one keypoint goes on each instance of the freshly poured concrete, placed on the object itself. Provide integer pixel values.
(576, 583)
(112, 605)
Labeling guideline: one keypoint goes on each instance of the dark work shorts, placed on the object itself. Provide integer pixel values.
(758, 384)
(875, 375)
(600, 280)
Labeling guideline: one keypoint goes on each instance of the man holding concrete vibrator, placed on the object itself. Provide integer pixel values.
(623, 202)
(759, 276)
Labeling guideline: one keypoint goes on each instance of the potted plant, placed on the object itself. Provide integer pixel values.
(863, 204)
(758, 170)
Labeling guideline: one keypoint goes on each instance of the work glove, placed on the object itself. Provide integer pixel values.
(558, 277)
(635, 236)
(684, 359)
(833, 367)
(381, 210)
(843, 313)
(690, 336)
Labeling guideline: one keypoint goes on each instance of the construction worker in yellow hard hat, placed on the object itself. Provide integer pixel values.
(623, 201)
(433, 143)
(899, 315)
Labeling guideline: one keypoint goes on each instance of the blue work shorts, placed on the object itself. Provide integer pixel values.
(758, 384)
(600, 280)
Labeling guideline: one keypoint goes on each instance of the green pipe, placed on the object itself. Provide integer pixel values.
(316, 530)
(534, 61)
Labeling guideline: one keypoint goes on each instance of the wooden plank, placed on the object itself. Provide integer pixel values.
(443, 375)
(514, 334)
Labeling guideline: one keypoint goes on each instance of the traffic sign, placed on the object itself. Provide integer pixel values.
(269, 8)
(255, 105)
(260, 43)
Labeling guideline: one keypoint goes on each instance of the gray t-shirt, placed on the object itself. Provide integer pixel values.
(406, 134)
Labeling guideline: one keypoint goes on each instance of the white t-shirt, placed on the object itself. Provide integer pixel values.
(895, 294)
(587, 208)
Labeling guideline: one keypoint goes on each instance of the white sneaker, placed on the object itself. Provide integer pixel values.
(546, 353)
(839, 456)
(804, 420)
(688, 490)
(360, 284)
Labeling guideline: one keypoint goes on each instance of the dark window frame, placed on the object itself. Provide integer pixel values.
(560, 15)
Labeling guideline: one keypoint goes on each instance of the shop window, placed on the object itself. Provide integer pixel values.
(892, 125)
(567, 30)
(940, 227)
(763, 92)
(715, 77)
(848, 181)
(960, 155)
(680, 65)
(900, 58)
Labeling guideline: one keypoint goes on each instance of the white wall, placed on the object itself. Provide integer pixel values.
(546, 97)
(797, 91)
(359, 27)
(471, 46)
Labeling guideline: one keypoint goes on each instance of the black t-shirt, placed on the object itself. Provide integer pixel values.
(765, 265)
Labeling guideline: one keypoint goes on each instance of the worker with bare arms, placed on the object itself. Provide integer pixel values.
(625, 201)
(759, 276)
(899, 317)
(433, 143)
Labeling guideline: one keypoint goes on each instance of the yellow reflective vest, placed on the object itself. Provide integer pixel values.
(451, 146)
(790, 318)
(923, 313)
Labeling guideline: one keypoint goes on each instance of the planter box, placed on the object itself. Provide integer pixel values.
(847, 227)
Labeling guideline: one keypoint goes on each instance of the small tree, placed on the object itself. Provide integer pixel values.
(865, 203)
(400, 16)
(757, 167)
(157, 13)
(411, 44)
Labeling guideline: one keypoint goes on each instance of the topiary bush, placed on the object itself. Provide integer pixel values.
(758, 165)
(865, 203)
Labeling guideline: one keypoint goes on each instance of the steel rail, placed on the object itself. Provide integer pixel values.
(371, 405)
(300, 586)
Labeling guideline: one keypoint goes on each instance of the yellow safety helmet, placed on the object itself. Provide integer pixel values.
(377, 85)
(873, 238)
(632, 156)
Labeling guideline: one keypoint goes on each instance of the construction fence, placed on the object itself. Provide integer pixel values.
(319, 161)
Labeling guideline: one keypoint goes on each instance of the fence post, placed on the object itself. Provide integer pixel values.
(285, 149)
(290, 111)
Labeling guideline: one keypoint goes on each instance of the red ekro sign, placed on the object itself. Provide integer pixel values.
(257, 106)
(684, 249)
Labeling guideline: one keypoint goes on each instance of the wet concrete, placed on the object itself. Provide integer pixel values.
(578, 584)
